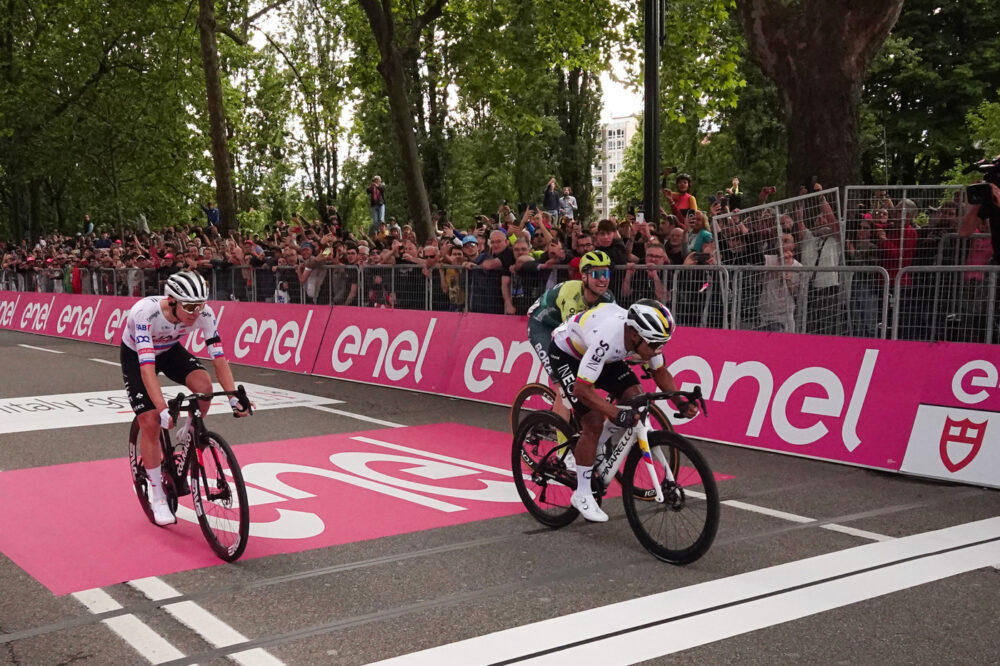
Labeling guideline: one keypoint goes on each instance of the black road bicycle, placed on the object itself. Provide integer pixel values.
(216, 482)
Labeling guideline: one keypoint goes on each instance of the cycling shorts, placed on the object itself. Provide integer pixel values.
(615, 378)
(176, 363)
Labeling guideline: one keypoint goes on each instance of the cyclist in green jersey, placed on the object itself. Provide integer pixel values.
(565, 300)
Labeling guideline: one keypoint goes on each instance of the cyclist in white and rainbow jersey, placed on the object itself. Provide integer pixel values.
(151, 343)
(589, 352)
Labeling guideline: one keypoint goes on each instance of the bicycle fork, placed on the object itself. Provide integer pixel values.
(642, 434)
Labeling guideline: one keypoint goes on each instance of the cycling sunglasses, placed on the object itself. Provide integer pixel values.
(599, 273)
(192, 307)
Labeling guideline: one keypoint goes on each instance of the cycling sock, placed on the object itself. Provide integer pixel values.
(560, 437)
(155, 481)
(583, 476)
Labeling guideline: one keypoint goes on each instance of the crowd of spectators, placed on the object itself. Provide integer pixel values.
(500, 263)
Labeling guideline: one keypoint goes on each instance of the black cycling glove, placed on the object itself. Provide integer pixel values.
(624, 418)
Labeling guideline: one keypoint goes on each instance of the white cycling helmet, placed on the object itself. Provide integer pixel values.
(186, 287)
(651, 320)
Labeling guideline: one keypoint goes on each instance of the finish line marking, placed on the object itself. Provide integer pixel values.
(640, 629)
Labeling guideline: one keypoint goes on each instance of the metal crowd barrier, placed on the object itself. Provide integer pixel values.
(743, 237)
(946, 303)
(927, 303)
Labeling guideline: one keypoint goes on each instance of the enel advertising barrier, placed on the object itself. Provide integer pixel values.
(929, 409)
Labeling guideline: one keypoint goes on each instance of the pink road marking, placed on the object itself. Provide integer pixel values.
(87, 530)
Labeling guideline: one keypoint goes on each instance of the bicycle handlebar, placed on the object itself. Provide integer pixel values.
(187, 402)
(645, 399)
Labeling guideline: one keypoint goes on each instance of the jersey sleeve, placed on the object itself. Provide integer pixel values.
(656, 362)
(142, 333)
(592, 361)
(210, 329)
(545, 310)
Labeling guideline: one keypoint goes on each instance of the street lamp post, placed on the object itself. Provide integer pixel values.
(653, 28)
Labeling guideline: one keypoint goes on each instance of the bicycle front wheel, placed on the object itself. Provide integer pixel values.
(531, 398)
(220, 497)
(540, 474)
(682, 528)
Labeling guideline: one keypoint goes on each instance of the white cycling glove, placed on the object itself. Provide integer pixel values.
(165, 419)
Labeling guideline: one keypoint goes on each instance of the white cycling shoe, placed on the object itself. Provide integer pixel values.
(162, 515)
(587, 506)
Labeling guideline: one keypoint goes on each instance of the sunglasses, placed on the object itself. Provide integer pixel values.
(600, 273)
(192, 307)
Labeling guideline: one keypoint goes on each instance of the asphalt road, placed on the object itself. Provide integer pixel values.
(813, 563)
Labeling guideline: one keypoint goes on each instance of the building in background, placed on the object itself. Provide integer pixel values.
(615, 137)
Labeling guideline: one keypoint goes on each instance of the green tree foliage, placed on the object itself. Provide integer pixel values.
(940, 62)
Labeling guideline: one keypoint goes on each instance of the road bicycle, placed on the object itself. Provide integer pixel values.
(218, 493)
(668, 490)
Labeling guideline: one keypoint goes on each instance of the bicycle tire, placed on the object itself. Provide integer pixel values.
(531, 398)
(140, 480)
(220, 504)
(542, 480)
(691, 507)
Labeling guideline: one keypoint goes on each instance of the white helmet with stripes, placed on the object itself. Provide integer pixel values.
(186, 287)
(651, 320)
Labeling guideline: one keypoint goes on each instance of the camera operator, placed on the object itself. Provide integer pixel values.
(984, 203)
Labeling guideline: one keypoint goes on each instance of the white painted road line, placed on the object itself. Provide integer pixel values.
(133, 631)
(216, 632)
(795, 518)
(360, 417)
(101, 360)
(774, 513)
(853, 531)
(669, 622)
(51, 351)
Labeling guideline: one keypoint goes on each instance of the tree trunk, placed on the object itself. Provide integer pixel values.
(216, 117)
(817, 53)
(401, 111)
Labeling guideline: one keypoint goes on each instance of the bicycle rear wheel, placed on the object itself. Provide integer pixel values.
(540, 473)
(532, 398)
(683, 527)
(140, 480)
(220, 497)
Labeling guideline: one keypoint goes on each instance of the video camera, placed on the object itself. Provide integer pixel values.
(981, 194)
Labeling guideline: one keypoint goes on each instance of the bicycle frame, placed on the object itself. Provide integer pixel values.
(607, 465)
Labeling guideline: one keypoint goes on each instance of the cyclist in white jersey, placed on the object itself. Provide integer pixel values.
(151, 343)
(589, 352)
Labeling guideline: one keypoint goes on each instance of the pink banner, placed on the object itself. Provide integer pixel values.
(857, 401)
(401, 348)
(90, 318)
(284, 337)
(267, 335)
